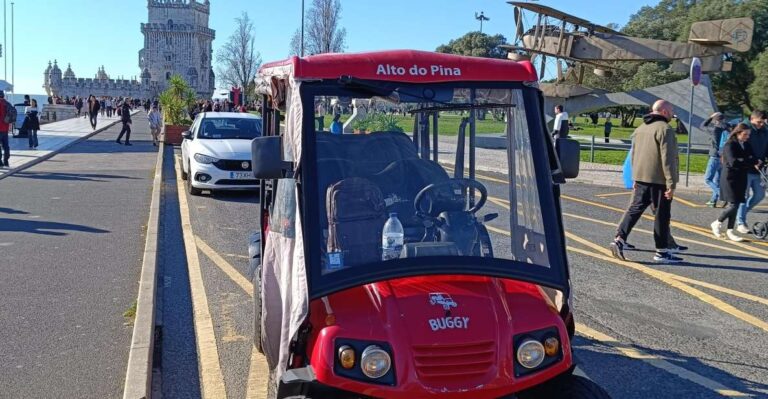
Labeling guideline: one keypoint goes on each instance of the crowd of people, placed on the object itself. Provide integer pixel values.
(734, 174)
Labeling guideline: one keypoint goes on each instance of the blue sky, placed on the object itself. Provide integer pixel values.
(91, 33)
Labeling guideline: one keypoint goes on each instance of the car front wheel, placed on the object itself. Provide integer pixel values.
(184, 174)
(192, 190)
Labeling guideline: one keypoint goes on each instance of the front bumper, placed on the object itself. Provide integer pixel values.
(218, 179)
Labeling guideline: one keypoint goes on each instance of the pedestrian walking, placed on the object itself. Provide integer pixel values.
(560, 127)
(155, 122)
(33, 123)
(78, 106)
(109, 104)
(125, 117)
(717, 128)
(93, 110)
(755, 192)
(607, 129)
(655, 170)
(738, 161)
(102, 107)
(5, 126)
(320, 118)
(336, 126)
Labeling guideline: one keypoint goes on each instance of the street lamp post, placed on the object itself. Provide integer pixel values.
(302, 28)
(481, 17)
(13, 56)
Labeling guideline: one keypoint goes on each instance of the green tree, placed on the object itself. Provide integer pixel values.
(176, 101)
(476, 44)
(758, 90)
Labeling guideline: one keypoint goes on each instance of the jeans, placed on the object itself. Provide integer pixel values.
(127, 131)
(712, 177)
(33, 138)
(758, 193)
(644, 195)
(729, 214)
(93, 116)
(6, 152)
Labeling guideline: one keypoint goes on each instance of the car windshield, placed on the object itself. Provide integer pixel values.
(229, 128)
(388, 195)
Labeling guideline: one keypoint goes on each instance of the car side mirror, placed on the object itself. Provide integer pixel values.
(568, 151)
(267, 159)
(187, 134)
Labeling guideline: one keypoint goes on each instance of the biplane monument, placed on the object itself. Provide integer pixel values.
(578, 45)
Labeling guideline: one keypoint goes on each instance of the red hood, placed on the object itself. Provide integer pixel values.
(448, 333)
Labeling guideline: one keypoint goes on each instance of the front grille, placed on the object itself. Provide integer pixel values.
(232, 165)
(440, 363)
(228, 182)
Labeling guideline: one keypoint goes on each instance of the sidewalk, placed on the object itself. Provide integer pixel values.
(52, 138)
(495, 161)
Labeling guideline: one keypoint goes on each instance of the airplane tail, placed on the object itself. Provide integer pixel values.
(734, 34)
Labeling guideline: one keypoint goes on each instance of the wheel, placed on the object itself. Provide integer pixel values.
(566, 386)
(184, 175)
(760, 230)
(192, 190)
(257, 310)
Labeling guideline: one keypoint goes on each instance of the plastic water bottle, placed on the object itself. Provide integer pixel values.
(392, 238)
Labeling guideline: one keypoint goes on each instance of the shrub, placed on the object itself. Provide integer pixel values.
(176, 101)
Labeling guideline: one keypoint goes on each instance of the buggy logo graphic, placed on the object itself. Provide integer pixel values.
(739, 35)
(245, 165)
(443, 299)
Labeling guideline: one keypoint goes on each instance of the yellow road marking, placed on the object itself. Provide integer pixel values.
(684, 226)
(225, 266)
(683, 239)
(211, 377)
(686, 202)
(669, 279)
(665, 277)
(628, 192)
(258, 373)
(658, 362)
(634, 353)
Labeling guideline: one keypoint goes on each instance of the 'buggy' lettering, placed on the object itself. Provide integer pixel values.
(443, 323)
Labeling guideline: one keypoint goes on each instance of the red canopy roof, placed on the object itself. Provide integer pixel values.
(403, 66)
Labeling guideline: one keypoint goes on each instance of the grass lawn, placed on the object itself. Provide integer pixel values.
(616, 157)
(448, 124)
(588, 129)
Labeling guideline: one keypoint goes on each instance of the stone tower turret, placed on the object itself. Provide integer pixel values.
(56, 79)
(69, 74)
(47, 78)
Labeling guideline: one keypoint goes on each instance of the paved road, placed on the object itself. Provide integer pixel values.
(697, 329)
(71, 242)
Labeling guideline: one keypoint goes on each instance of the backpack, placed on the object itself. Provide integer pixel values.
(10, 113)
(356, 215)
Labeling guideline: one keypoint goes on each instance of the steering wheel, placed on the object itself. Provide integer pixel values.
(449, 191)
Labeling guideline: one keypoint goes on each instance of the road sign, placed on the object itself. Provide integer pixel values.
(695, 71)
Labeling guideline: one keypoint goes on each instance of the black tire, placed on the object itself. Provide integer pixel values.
(184, 175)
(192, 190)
(257, 311)
(760, 230)
(567, 386)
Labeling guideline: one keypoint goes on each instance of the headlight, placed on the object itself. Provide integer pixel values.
(375, 362)
(205, 159)
(530, 354)
(347, 357)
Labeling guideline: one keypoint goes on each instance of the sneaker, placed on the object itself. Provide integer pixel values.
(717, 229)
(666, 257)
(743, 229)
(617, 248)
(118, 142)
(732, 236)
(711, 204)
(677, 249)
(127, 143)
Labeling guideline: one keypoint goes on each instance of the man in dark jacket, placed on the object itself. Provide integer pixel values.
(715, 125)
(758, 140)
(4, 129)
(655, 170)
(125, 117)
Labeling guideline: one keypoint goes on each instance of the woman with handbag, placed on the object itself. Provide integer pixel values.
(32, 122)
(738, 159)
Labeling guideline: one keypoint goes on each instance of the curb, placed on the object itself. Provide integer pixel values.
(56, 152)
(138, 377)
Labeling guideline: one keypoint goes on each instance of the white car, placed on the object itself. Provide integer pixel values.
(216, 152)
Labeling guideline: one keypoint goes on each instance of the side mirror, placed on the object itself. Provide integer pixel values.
(568, 150)
(267, 158)
(187, 134)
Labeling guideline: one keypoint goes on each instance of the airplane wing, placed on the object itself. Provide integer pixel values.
(551, 12)
(577, 60)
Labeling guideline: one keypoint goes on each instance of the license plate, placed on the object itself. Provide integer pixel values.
(240, 175)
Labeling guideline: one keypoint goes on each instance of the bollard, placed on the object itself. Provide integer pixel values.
(592, 150)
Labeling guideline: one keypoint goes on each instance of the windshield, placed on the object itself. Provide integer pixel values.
(396, 182)
(229, 128)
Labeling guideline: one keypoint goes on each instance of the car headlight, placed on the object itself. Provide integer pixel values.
(530, 354)
(375, 362)
(205, 159)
